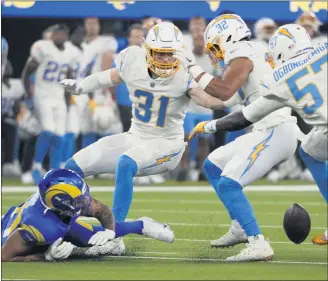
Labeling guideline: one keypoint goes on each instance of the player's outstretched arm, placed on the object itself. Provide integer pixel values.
(200, 97)
(93, 82)
(30, 67)
(105, 216)
(16, 249)
(233, 78)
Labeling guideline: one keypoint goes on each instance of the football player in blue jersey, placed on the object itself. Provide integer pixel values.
(47, 226)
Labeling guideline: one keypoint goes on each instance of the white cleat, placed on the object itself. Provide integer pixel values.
(234, 236)
(142, 180)
(156, 179)
(157, 230)
(120, 247)
(258, 251)
(27, 178)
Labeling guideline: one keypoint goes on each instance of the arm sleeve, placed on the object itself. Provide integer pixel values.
(37, 51)
(261, 108)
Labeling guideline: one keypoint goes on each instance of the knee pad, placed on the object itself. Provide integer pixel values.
(126, 163)
(72, 165)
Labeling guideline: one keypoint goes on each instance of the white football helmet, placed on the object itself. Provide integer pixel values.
(221, 33)
(290, 40)
(264, 28)
(164, 37)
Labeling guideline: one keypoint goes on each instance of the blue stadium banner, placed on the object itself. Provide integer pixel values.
(249, 10)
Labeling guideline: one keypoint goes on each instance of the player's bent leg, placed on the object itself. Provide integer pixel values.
(101, 157)
(126, 169)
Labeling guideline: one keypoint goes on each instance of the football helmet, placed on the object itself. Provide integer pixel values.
(290, 40)
(64, 191)
(221, 33)
(163, 38)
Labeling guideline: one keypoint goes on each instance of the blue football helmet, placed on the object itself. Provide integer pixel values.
(64, 191)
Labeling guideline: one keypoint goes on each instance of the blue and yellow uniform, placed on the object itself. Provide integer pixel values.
(41, 226)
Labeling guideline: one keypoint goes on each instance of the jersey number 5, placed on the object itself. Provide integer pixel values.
(310, 88)
(143, 112)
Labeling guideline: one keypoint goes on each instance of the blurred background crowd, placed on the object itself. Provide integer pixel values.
(108, 111)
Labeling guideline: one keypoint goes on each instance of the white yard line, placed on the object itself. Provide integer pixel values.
(212, 260)
(259, 188)
(214, 225)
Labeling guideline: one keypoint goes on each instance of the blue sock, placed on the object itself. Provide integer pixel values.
(71, 164)
(56, 151)
(42, 145)
(123, 228)
(193, 148)
(213, 175)
(319, 171)
(126, 169)
(88, 139)
(234, 199)
(68, 146)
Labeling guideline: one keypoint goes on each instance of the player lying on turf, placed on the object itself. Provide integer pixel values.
(160, 91)
(251, 156)
(299, 81)
(47, 225)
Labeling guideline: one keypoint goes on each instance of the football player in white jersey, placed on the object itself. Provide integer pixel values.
(97, 56)
(299, 81)
(160, 91)
(51, 61)
(264, 28)
(251, 156)
(73, 114)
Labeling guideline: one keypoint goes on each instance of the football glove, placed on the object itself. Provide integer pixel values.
(71, 86)
(59, 250)
(204, 127)
(101, 237)
(186, 58)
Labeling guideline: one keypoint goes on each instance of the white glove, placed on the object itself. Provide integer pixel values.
(71, 86)
(59, 251)
(101, 237)
(186, 58)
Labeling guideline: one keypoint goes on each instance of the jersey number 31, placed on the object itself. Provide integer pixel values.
(143, 111)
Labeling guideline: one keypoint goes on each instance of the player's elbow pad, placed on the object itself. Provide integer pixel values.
(97, 81)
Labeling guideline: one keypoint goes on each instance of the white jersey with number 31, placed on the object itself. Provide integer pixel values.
(159, 105)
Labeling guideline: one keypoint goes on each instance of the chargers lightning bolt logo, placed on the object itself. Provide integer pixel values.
(285, 32)
(162, 160)
(257, 152)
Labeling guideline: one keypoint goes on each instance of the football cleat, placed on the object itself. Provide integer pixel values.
(297, 223)
(321, 239)
(157, 230)
(234, 236)
(258, 251)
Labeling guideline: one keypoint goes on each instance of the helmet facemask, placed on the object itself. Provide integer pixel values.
(160, 68)
(215, 53)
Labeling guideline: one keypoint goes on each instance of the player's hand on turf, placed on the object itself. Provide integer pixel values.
(59, 250)
(71, 86)
(101, 237)
(204, 127)
(186, 58)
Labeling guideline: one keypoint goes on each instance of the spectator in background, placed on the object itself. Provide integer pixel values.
(197, 25)
(4, 54)
(312, 25)
(264, 28)
(198, 149)
(148, 22)
(136, 32)
(12, 92)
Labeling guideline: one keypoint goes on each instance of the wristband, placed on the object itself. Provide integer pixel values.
(205, 80)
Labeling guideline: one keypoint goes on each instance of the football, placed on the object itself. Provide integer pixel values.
(297, 223)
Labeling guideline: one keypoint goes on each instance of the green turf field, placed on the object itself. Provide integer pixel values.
(196, 218)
